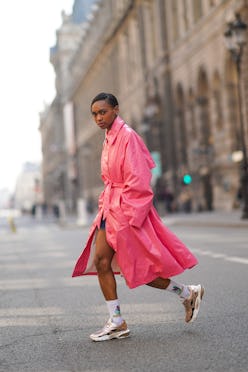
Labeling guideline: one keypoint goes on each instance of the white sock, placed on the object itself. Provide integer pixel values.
(115, 311)
(179, 289)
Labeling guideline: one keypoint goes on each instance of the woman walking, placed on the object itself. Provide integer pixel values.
(127, 234)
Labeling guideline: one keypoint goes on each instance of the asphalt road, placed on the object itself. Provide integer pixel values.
(46, 316)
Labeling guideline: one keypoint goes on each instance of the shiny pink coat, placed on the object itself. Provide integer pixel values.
(144, 248)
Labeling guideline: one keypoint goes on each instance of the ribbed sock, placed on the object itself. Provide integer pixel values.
(115, 311)
(180, 289)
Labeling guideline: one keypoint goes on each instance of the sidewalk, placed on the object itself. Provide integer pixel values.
(207, 219)
(210, 219)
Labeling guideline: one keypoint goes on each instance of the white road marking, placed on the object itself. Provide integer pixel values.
(235, 259)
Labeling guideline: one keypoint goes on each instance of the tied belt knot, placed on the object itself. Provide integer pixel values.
(106, 199)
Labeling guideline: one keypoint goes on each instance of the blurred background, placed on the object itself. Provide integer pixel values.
(179, 69)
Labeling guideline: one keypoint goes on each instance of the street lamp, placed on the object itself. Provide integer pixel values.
(235, 38)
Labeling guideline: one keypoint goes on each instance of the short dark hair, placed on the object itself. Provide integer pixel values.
(108, 97)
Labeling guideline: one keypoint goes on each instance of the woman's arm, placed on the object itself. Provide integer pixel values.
(137, 195)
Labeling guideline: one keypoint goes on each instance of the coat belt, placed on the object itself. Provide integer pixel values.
(106, 200)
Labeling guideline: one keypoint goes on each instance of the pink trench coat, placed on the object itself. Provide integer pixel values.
(144, 248)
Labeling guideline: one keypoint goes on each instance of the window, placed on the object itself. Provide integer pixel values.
(175, 27)
(197, 9)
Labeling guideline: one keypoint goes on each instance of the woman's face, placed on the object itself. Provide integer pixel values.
(104, 114)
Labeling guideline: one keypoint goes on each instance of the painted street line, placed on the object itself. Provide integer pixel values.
(235, 259)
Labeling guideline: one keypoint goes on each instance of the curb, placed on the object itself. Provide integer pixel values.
(215, 221)
(206, 224)
(209, 220)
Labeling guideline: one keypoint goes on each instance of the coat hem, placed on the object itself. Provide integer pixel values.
(178, 272)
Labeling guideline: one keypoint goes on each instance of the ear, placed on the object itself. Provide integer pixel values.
(116, 109)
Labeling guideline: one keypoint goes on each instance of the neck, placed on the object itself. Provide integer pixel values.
(108, 129)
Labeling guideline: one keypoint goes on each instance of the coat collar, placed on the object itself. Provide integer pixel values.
(111, 135)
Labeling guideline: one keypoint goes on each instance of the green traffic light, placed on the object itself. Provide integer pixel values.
(187, 179)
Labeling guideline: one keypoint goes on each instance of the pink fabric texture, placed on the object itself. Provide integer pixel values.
(144, 247)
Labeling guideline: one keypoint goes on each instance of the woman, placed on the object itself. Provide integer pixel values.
(127, 234)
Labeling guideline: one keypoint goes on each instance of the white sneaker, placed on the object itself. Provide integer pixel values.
(110, 331)
(192, 303)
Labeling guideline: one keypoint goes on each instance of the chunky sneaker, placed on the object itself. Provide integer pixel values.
(192, 303)
(110, 331)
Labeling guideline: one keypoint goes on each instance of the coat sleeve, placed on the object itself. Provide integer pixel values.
(137, 196)
(100, 200)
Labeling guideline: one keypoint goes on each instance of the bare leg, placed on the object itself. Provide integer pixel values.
(159, 283)
(103, 258)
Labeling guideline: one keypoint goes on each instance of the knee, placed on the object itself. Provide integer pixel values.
(102, 264)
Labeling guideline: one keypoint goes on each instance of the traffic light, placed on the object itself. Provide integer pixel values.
(187, 179)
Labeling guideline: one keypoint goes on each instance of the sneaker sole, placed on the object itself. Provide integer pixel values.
(118, 335)
(197, 304)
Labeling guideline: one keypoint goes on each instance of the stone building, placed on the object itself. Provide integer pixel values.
(204, 80)
(57, 139)
(167, 63)
(28, 192)
(53, 154)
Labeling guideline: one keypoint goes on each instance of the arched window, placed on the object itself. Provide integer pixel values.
(191, 109)
(212, 3)
(175, 26)
(197, 9)
(203, 105)
(232, 103)
(181, 126)
(206, 140)
(217, 105)
(185, 14)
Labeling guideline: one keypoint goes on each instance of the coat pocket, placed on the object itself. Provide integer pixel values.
(116, 211)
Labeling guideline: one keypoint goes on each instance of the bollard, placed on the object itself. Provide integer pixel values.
(12, 224)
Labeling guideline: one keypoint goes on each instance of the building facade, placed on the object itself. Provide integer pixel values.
(58, 166)
(28, 190)
(167, 63)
